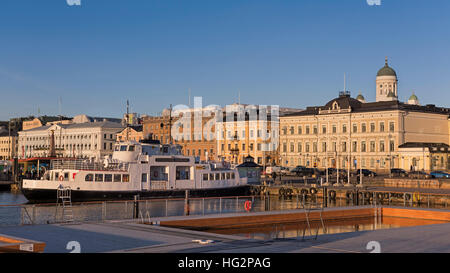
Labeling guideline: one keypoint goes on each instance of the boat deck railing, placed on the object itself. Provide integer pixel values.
(82, 164)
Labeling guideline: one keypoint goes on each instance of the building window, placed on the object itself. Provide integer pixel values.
(315, 147)
(381, 126)
(363, 146)
(372, 146)
(334, 129)
(315, 129)
(355, 128)
(299, 147)
(372, 127)
(355, 146)
(292, 130)
(284, 131)
(344, 147)
(391, 145)
(307, 130)
(251, 146)
(363, 128)
(324, 129)
(284, 147)
(324, 147)
(292, 147)
(381, 146)
(307, 147)
(259, 146)
(299, 130)
(344, 128)
(391, 126)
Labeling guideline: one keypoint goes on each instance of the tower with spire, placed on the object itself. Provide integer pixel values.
(386, 83)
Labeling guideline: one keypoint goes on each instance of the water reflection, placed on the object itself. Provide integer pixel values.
(300, 229)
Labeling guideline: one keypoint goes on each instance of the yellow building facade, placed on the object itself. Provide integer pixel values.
(350, 133)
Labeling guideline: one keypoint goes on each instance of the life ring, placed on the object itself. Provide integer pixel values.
(248, 205)
(61, 178)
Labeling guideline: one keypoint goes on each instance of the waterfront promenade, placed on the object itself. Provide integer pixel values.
(134, 237)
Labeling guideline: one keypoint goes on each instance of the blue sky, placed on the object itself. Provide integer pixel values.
(288, 53)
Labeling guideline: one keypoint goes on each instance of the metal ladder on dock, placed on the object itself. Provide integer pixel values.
(308, 210)
(64, 200)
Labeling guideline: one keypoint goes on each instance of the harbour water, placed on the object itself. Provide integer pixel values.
(14, 209)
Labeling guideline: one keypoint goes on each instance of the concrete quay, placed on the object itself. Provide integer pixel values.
(134, 237)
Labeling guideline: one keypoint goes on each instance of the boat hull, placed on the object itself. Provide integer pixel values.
(49, 195)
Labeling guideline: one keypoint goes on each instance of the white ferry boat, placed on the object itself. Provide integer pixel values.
(144, 169)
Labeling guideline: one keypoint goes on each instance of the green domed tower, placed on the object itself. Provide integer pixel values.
(386, 83)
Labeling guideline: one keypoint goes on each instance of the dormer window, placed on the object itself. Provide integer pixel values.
(335, 106)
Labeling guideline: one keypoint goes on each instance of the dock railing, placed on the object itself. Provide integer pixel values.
(26, 214)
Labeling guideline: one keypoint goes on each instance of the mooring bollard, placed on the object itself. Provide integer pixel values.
(325, 197)
(136, 207)
(186, 203)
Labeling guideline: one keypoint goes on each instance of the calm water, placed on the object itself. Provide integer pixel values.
(296, 230)
(15, 211)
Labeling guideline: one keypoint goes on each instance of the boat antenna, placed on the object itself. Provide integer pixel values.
(127, 118)
(170, 124)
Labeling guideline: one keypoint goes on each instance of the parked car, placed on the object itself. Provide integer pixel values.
(418, 174)
(284, 171)
(297, 169)
(366, 172)
(439, 174)
(396, 172)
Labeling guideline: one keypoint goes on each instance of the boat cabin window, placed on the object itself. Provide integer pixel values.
(232, 175)
(117, 148)
(123, 148)
(205, 177)
(66, 176)
(211, 176)
(144, 177)
(182, 173)
(217, 176)
(222, 176)
(56, 176)
(158, 173)
(131, 148)
(126, 178)
(228, 175)
(108, 177)
(89, 177)
(98, 177)
(117, 178)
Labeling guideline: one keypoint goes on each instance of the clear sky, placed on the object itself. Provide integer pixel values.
(281, 52)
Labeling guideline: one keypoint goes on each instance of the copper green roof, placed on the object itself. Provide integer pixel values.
(386, 71)
(413, 97)
(360, 97)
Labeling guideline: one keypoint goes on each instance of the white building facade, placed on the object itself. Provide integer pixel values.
(92, 140)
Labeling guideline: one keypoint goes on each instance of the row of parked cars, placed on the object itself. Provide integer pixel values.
(315, 172)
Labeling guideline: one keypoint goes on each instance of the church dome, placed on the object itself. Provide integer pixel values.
(386, 70)
(361, 98)
(413, 97)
